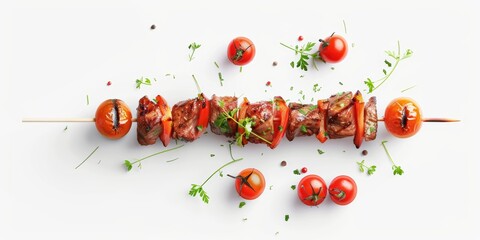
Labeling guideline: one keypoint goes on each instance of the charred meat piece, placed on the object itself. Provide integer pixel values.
(219, 123)
(261, 114)
(340, 115)
(371, 119)
(149, 124)
(303, 121)
(185, 115)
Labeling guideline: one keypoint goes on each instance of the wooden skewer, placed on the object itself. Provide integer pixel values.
(135, 119)
(431, 120)
(63, 120)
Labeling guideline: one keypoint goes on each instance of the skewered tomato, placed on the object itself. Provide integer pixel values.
(312, 190)
(342, 190)
(333, 49)
(249, 183)
(241, 51)
(113, 118)
(403, 117)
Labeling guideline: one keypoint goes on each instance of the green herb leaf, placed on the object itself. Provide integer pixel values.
(193, 46)
(128, 165)
(303, 129)
(293, 187)
(241, 204)
(142, 81)
(320, 151)
(287, 217)
(296, 172)
(362, 166)
(397, 170)
(388, 63)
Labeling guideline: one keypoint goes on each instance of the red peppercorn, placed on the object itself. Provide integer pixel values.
(109, 83)
(300, 38)
(268, 84)
(304, 170)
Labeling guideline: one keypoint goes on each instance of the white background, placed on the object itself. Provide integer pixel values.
(53, 54)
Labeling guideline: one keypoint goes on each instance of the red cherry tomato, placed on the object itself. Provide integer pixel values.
(342, 190)
(312, 190)
(241, 51)
(403, 117)
(333, 49)
(249, 183)
(113, 118)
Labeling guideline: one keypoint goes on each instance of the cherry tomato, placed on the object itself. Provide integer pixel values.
(280, 121)
(403, 117)
(312, 190)
(241, 51)
(342, 190)
(249, 183)
(113, 118)
(333, 49)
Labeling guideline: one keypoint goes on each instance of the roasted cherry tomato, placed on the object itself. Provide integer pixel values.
(342, 190)
(403, 117)
(249, 183)
(241, 51)
(312, 190)
(280, 121)
(113, 118)
(333, 49)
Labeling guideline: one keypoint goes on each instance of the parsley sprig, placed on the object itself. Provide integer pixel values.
(305, 55)
(396, 169)
(247, 124)
(193, 46)
(397, 57)
(129, 165)
(198, 189)
(362, 166)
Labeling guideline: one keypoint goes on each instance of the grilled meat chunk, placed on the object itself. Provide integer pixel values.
(149, 124)
(304, 120)
(185, 118)
(219, 123)
(262, 115)
(340, 115)
(371, 120)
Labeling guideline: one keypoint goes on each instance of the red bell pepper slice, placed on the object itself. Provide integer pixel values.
(359, 106)
(322, 108)
(166, 120)
(203, 115)
(280, 120)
